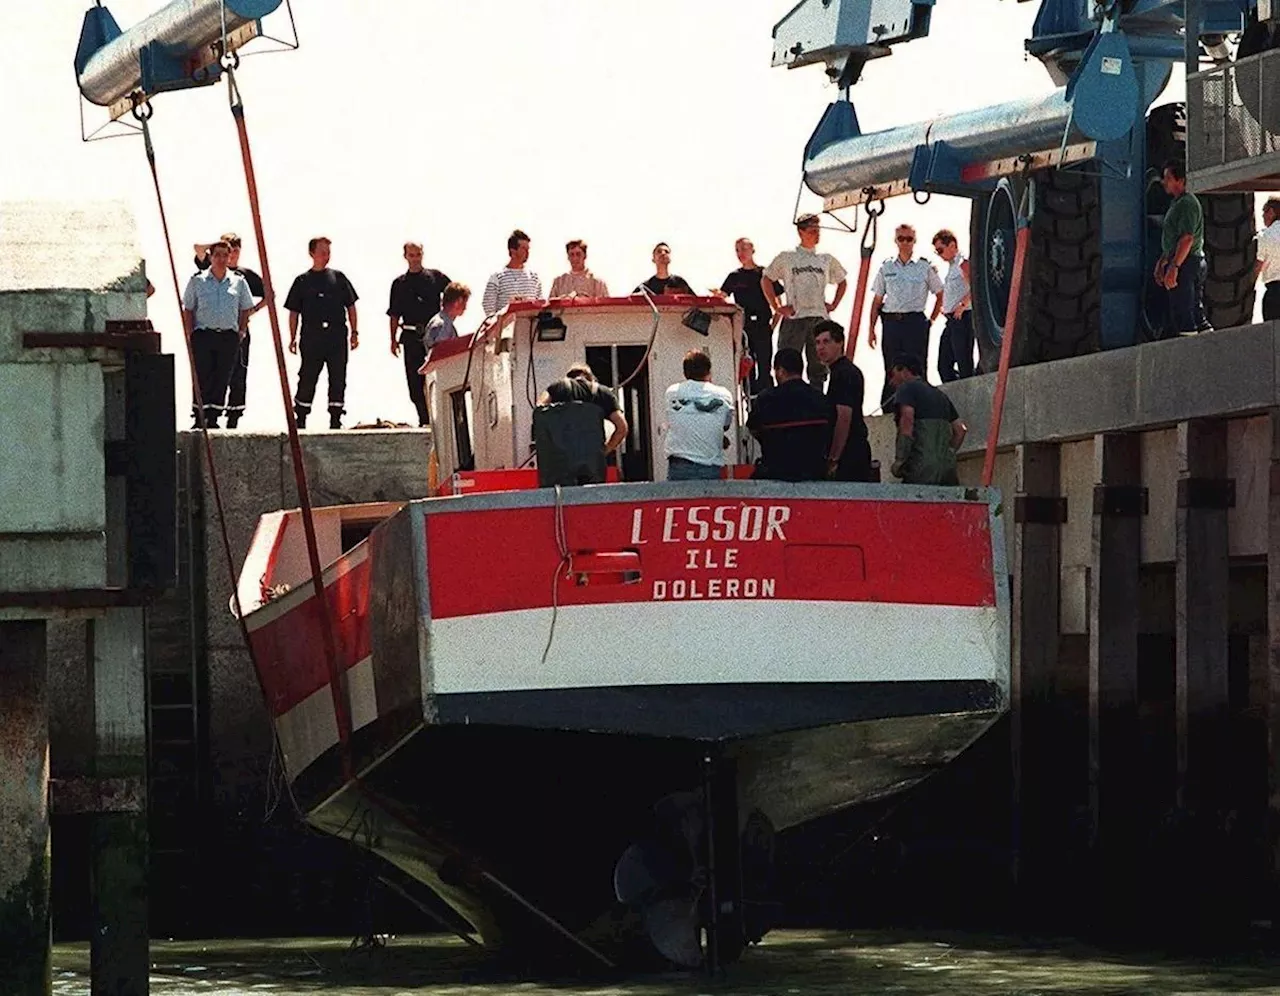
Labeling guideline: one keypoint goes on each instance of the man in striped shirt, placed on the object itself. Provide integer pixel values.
(515, 283)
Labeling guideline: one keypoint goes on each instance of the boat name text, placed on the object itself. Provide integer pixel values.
(716, 524)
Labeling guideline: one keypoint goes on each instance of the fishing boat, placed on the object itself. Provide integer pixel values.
(581, 716)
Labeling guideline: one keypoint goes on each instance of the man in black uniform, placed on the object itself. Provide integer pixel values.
(849, 458)
(793, 423)
(325, 301)
(743, 285)
(240, 372)
(663, 280)
(415, 300)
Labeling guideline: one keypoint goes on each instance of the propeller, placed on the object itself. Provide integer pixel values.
(663, 876)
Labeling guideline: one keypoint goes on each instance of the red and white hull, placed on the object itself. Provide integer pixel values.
(524, 679)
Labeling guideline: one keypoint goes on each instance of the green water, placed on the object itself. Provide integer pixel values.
(789, 963)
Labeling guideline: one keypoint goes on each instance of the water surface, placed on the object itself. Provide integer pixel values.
(789, 963)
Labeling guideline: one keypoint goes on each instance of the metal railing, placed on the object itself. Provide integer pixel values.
(1233, 125)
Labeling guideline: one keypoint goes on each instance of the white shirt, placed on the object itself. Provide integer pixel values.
(804, 275)
(698, 413)
(954, 285)
(905, 286)
(1269, 252)
(509, 283)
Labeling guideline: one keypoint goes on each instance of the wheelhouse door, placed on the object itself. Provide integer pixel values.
(614, 365)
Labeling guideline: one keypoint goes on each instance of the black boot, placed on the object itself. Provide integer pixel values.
(301, 417)
(233, 421)
(335, 420)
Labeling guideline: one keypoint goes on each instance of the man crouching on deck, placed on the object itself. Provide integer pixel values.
(568, 429)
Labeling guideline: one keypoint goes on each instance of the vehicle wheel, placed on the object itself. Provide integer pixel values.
(1231, 254)
(1061, 299)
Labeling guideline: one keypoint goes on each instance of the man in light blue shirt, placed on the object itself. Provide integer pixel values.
(453, 302)
(215, 310)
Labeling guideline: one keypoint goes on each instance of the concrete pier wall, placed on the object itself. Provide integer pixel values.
(223, 830)
(1143, 522)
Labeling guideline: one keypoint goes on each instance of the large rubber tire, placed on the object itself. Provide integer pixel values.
(1060, 307)
(1231, 253)
(1229, 225)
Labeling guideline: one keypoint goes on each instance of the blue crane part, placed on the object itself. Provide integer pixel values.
(1086, 155)
(171, 49)
(881, 159)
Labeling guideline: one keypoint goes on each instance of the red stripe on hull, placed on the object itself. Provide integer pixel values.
(909, 552)
(290, 648)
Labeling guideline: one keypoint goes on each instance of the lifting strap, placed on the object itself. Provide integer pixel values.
(143, 112)
(341, 710)
(869, 236)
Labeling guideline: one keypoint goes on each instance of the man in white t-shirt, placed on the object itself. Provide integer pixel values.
(804, 274)
(698, 415)
(1269, 260)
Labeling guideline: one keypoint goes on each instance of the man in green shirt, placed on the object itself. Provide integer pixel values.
(929, 428)
(1181, 267)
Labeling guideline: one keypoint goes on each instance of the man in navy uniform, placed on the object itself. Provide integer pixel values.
(324, 301)
(792, 422)
(239, 372)
(902, 287)
(415, 300)
(216, 306)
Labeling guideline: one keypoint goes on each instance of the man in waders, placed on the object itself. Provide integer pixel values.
(929, 428)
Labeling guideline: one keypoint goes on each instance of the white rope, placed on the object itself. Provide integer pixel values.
(562, 544)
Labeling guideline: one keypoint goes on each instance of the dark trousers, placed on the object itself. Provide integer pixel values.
(415, 354)
(1186, 303)
(239, 377)
(760, 342)
(322, 348)
(797, 333)
(1271, 302)
(215, 355)
(855, 461)
(906, 333)
(955, 349)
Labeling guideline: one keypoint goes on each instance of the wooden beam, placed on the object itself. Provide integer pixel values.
(1202, 615)
(1119, 502)
(1039, 511)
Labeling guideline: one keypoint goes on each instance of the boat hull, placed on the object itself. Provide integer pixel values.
(563, 712)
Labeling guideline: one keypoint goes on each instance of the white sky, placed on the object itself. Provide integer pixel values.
(623, 122)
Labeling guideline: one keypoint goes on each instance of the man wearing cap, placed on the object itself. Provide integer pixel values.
(216, 306)
(239, 372)
(804, 274)
(415, 300)
(901, 290)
